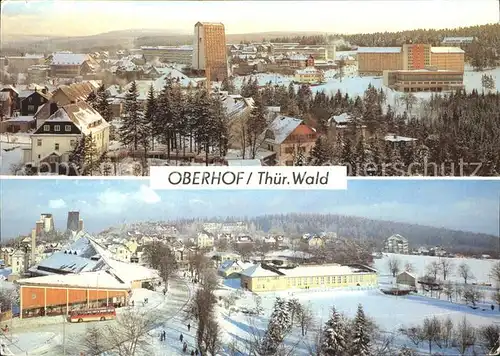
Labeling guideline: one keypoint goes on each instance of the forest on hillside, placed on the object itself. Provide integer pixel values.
(376, 231)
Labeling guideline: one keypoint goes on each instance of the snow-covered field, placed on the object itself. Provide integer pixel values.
(389, 312)
(480, 268)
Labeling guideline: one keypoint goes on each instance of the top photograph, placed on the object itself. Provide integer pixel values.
(386, 88)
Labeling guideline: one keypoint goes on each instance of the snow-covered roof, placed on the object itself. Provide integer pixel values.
(4, 96)
(69, 58)
(341, 119)
(86, 118)
(236, 104)
(128, 272)
(283, 126)
(308, 70)
(396, 138)
(244, 162)
(408, 273)
(379, 50)
(97, 279)
(257, 271)
(458, 39)
(447, 50)
(21, 119)
(302, 271)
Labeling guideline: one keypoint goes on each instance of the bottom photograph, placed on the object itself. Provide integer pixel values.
(386, 267)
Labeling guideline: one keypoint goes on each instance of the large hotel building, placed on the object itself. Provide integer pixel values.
(209, 50)
(414, 67)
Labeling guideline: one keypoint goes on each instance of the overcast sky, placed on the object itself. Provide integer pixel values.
(462, 205)
(68, 18)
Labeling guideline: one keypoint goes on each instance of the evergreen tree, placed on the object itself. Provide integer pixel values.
(84, 157)
(92, 99)
(256, 125)
(228, 85)
(347, 156)
(151, 113)
(102, 104)
(76, 156)
(360, 336)
(300, 158)
(321, 152)
(360, 157)
(334, 336)
(163, 126)
(129, 130)
(279, 326)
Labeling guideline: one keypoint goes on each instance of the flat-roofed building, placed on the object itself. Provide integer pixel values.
(374, 60)
(457, 40)
(265, 278)
(170, 54)
(416, 56)
(448, 58)
(423, 80)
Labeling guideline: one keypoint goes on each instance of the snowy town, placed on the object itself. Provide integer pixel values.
(317, 100)
(67, 292)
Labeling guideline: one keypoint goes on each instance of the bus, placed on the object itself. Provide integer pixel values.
(106, 313)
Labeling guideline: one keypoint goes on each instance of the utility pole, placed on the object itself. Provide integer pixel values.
(64, 333)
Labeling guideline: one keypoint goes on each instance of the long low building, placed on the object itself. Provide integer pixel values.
(265, 278)
(60, 294)
(424, 80)
(84, 274)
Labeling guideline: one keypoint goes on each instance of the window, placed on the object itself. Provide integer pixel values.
(289, 150)
(31, 108)
(39, 142)
(67, 128)
(289, 163)
(57, 128)
(72, 143)
(56, 146)
(46, 128)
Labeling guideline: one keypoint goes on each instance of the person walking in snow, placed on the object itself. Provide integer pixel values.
(196, 352)
(181, 338)
(189, 327)
(184, 347)
(192, 352)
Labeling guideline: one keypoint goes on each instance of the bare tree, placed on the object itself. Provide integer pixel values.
(394, 265)
(198, 262)
(465, 272)
(496, 297)
(305, 318)
(465, 336)
(201, 309)
(406, 351)
(495, 274)
(446, 267)
(433, 269)
(212, 336)
(448, 290)
(409, 267)
(488, 337)
(93, 342)
(415, 334)
(472, 295)
(447, 332)
(129, 335)
(431, 331)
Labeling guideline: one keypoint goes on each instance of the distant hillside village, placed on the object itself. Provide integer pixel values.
(77, 113)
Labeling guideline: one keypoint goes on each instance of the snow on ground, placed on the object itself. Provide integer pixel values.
(472, 79)
(30, 343)
(389, 312)
(10, 154)
(480, 268)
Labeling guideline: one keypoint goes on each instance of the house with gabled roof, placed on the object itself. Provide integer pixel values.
(289, 137)
(57, 136)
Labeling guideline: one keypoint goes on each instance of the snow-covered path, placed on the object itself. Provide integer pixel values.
(169, 309)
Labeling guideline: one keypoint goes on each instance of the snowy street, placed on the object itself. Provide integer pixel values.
(66, 339)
